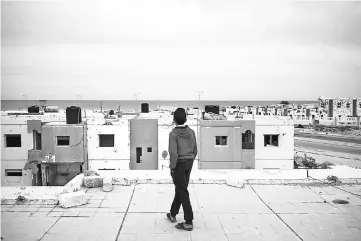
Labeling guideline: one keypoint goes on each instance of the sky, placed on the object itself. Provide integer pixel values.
(170, 50)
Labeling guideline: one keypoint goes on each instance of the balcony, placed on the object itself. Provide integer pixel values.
(34, 155)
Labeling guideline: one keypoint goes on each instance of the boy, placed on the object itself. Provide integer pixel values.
(182, 151)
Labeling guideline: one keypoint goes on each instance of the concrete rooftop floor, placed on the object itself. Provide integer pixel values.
(137, 212)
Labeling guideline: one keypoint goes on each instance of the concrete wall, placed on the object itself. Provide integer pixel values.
(144, 136)
(116, 157)
(15, 157)
(302, 120)
(229, 156)
(16, 153)
(329, 121)
(72, 153)
(274, 157)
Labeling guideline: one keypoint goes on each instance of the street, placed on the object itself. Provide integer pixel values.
(326, 146)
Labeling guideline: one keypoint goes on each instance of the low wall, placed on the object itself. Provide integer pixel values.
(32, 193)
(351, 121)
(302, 122)
(338, 171)
(327, 121)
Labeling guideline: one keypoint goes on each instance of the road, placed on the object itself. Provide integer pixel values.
(319, 145)
(348, 139)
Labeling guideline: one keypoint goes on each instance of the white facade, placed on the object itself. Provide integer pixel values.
(116, 157)
(274, 157)
(13, 159)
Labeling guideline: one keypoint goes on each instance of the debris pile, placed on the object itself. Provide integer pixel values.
(309, 162)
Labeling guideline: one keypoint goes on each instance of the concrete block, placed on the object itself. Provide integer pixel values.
(107, 184)
(75, 184)
(73, 199)
(93, 181)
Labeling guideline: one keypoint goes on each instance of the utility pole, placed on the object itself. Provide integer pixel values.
(26, 102)
(199, 95)
(136, 98)
(198, 129)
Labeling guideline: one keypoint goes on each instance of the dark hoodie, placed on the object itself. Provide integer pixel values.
(182, 145)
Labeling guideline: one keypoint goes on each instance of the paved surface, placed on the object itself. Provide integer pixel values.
(221, 213)
(334, 147)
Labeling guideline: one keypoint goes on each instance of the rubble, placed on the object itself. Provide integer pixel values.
(89, 173)
(67, 200)
(233, 182)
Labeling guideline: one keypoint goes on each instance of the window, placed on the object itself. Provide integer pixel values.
(13, 172)
(221, 140)
(149, 149)
(12, 140)
(339, 105)
(348, 105)
(248, 140)
(106, 140)
(271, 140)
(37, 145)
(63, 140)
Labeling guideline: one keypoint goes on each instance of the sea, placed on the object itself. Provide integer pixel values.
(136, 104)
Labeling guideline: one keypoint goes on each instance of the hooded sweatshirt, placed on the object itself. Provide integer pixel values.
(182, 145)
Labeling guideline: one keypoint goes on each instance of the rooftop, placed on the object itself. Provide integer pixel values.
(138, 212)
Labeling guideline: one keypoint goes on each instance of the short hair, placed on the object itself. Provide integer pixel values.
(180, 116)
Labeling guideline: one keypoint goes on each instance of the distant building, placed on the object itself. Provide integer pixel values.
(339, 107)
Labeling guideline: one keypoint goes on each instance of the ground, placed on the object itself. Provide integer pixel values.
(137, 212)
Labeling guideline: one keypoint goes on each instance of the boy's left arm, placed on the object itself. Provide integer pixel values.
(195, 145)
(173, 151)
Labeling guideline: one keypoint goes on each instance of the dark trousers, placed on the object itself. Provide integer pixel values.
(180, 177)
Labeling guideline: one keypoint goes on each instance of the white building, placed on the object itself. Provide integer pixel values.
(16, 142)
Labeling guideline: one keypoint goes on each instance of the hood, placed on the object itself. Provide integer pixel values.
(183, 131)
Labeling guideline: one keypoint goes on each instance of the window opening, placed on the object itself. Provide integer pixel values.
(221, 140)
(13, 172)
(106, 140)
(63, 140)
(271, 140)
(13, 140)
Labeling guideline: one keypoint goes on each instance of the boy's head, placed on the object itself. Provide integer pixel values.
(180, 116)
